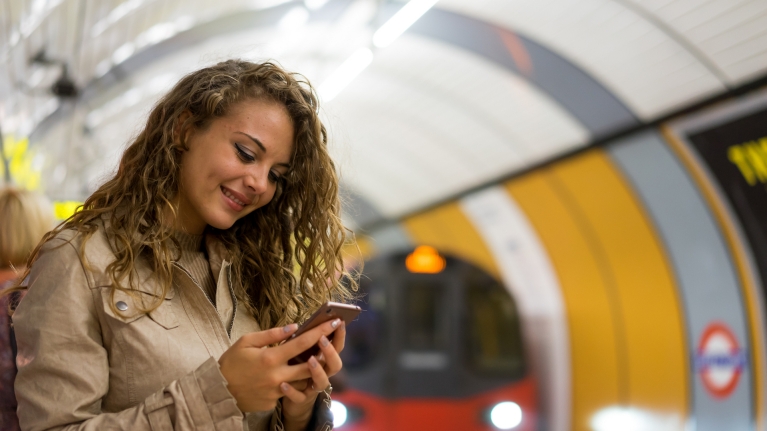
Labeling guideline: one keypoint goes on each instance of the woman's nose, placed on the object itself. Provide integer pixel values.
(257, 180)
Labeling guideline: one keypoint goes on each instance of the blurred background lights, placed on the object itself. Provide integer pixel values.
(118, 13)
(632, 419)
(315, 4)
(506, 415)
(425, 260)
(401, 21)
(295, 18)
(339, 413)
(345, 73)
(617, 418)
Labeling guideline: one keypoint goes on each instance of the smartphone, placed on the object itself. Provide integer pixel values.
(328, 311)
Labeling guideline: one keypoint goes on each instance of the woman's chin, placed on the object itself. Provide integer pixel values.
(221, 222)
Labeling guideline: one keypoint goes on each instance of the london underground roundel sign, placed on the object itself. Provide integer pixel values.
(719, 360)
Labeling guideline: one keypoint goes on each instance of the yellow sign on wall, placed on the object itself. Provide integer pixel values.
(25, 165)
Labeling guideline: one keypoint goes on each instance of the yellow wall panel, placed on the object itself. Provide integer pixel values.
(639, 279)
(447, 229)
(593, 335)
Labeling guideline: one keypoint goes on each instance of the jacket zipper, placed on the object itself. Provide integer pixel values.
(231, 291)
(234, 299)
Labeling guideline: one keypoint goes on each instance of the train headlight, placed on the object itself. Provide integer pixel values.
(339, 413)
(506, 415)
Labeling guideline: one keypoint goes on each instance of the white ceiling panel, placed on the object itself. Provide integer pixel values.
(730, 34)
(429, 120)
(646, 68)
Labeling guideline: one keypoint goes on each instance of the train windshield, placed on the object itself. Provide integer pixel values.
(494, 344)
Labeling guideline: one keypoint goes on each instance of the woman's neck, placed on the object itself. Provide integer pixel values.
(184, 219)
(188, 242)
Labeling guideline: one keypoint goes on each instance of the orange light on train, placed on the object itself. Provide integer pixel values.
(425, 260)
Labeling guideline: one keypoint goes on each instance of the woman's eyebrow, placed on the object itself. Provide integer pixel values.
(260, 145)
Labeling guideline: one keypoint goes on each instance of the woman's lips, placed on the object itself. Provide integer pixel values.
(235, 200)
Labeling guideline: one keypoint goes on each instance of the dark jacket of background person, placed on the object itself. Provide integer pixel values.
(24, 218)
(126, 370)
(8, 419)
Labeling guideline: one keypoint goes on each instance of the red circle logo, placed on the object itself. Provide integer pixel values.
(719, 360)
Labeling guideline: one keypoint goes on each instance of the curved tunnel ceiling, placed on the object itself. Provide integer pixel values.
(473, 91)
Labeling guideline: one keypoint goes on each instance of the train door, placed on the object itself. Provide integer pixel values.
(425, 328)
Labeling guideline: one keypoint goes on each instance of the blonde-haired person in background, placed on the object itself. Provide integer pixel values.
(24, 218)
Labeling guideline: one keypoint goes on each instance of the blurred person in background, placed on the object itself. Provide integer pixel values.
(24, 218)
(152, 308)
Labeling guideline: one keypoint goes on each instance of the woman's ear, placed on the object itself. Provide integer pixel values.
(179, 128)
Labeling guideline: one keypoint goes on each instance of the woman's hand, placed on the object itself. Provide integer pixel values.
(299, 398)
(254, 373)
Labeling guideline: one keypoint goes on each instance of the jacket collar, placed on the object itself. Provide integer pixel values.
(218, 255)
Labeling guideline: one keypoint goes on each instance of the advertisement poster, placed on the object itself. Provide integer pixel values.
(735, 153)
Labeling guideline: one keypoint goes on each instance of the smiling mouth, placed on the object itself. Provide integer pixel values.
(233, 198)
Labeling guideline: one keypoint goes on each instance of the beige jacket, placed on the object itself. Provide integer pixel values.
(84, 367)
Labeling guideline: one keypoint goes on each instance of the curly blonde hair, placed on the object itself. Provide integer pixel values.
(286, 256)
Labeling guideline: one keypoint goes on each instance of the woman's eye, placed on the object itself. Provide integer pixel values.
(273, 177)
(244, 155)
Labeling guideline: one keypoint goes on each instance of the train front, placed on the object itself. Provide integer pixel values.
(437, 347)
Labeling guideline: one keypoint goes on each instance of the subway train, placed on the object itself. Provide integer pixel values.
(438, 346)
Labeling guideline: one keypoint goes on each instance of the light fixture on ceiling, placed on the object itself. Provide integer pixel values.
(294, 18)
(315, 4)
(345, 73)
(116, 14)
(401, 21)
(383, 37)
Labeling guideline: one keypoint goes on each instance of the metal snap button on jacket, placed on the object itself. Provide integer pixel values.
(122, 306)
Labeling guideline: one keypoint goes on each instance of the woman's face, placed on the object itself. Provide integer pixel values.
(232, 167)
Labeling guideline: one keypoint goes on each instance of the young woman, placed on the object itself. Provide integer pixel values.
(162, 304)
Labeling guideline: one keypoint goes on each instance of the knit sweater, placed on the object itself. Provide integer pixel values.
(194, 260)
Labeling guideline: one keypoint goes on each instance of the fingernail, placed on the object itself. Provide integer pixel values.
(284, 387)
(289, 328)
(335, 323)
(324, 341)
(312, 362)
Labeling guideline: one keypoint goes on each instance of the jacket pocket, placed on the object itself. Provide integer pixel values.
(128, 307)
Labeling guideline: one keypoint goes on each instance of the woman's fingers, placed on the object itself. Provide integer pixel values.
(294, 373)
(339, 337)
(292, 393)
(333, 361)
(306, 340)
(270, 336)
(319, 377)
(301, 385)
(339, 340)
